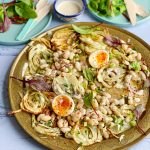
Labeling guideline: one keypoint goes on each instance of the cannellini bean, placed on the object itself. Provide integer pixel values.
(83, 111)
(104, 101)
(44, 66)
(128, 50)
(124, 46)
(64, 69)
(48, 71)
(121, 101)
(56, 55)
(107, 95)
(140, 92)
(43, 61)
(105, 133)
(137, 100)
(80, 104)
(144, 67)
(65, 129)
(108, 110)
(81, 79)
(78, 66)
(94, 94)
(126, 62)
(71, 55)
(125, 106)
(107, 119)
(57, 65)
(93, 87)
(94, 116)
(66, 54)
(130, 101)
(94, 104)
(76, 116)
(147, 83)
(101, 125)
(93, 122)
(143, 75)
(139, 56)
(128, 78)
(128, 119)
(59, 53)
(98, 97)
(62, 123)
(131, 57)
(43, 117)
(103, 110)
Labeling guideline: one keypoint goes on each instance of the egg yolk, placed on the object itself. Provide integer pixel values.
(62, 105)
(101, 57)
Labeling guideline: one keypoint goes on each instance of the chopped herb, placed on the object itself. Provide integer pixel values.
(98, 90)
(133, 123)
(87, 99)
(136, 66)
(112, 65)
(88, 74)
(49, 123)
(66, 85)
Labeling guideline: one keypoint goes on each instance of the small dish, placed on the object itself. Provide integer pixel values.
(121, 20)
(67, 14)
(9, 37)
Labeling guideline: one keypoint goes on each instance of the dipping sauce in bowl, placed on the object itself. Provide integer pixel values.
(68, 10)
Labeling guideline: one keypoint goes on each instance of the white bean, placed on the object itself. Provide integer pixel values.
(137, 100)
(105, 133)
(93, 122)
(80, 104)
(93, 87)
(56, 55)
(143, 75)
(94, 104)
(65, 129)
(107, 95)
(62, 123)
(103, 110)
(144, 67)
(78, 66)
(71, 55)
(66, 54)
(139, 56)
(43, 117)
(81, 79)
(101, 125)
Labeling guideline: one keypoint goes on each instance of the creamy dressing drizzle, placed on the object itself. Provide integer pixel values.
(68, 8)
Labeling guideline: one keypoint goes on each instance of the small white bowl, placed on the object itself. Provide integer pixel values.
(68, 17)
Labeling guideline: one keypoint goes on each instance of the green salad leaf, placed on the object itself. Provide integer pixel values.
(88, 74)
(107, 7)
(1, 14)
(25, 11)
(11, 11)
(87, 99)
(82, 30)
(28, 2)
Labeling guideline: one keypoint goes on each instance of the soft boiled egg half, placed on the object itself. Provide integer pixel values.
(98, 58)
(63, 105)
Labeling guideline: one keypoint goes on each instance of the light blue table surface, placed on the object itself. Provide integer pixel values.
(12, 136)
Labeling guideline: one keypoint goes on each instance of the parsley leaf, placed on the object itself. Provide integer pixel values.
(87, 99)
(88, 74)
(136, 66)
